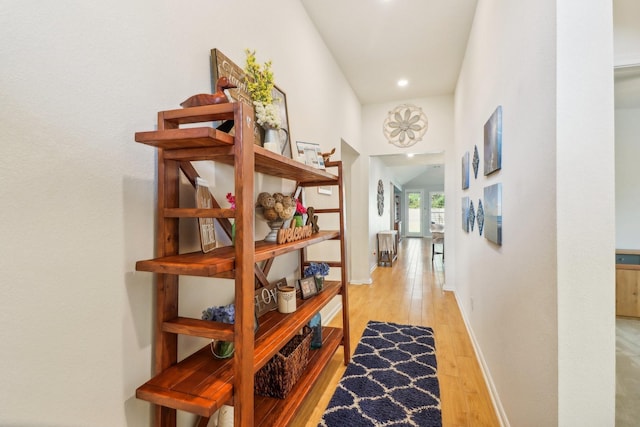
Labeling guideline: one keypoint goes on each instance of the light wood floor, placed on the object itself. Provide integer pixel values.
(411, 292)
(627, 372)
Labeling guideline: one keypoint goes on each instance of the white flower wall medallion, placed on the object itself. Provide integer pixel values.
(405, 125)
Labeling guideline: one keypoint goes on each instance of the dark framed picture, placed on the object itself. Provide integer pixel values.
(308, 287)
(284, 133)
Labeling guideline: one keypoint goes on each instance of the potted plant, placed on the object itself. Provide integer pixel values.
(224, 314)
(300, 211)
(260, 86)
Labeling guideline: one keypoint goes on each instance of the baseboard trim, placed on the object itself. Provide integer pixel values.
(360, 282)
(493, 392)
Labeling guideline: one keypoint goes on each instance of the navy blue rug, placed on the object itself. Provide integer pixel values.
(390, 381)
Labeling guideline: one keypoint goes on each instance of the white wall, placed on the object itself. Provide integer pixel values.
(626, 15)
(627, 178)
(517, 297)
(78, 80)
(439, 138)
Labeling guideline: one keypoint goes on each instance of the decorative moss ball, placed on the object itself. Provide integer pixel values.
(270, 214)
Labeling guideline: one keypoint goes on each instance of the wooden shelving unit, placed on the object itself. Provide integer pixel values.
(200, 383)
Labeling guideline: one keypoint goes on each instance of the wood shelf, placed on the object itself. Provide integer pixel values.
(270, 411)
(201, 383)
(221, 260)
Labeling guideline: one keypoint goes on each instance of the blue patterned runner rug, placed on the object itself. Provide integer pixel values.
(390, 381)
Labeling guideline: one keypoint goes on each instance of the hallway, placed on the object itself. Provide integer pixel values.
(411, 292)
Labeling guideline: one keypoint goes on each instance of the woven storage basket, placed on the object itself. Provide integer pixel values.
(280, 374)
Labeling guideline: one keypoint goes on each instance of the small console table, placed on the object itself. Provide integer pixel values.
(387, 247)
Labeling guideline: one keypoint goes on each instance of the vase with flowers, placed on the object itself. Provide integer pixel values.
(300, 211)
(318, 270)
(260, 86)
(224, 314)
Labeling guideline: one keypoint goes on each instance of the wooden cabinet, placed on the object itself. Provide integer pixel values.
(628, 283)
(200, 383)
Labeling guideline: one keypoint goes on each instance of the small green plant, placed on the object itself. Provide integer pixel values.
(261, 79)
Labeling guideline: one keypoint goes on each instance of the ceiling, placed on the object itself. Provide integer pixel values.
(422, 41)
(378, 42)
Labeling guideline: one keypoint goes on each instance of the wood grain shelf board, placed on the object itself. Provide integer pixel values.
(170, 139)
(201, 383)
(203, 113)
(199, 328)
(270, 411)
(222, 260)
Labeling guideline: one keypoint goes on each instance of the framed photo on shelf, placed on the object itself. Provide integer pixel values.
(308, 287)
(320, 158)
(309, 154)
(206, 225)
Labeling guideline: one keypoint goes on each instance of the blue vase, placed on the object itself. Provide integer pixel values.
(316, 326)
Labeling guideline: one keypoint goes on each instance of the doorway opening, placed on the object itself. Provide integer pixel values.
(414, 203)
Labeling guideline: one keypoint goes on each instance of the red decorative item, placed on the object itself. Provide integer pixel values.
(207, 99)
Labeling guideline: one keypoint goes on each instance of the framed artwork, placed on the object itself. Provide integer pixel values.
(309, 153)
(465, 171)
(266, 298)
(284, 133)
(325, 190)
(321, 164)
(493, 213)
(308, 287)
(480, 217)
(465, 214)
(476, 161)
(206, 225)
(493, 142)
(472, 216)
(221, 66)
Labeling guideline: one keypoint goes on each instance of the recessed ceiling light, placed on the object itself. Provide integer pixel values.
(410, 155)
(403, 82)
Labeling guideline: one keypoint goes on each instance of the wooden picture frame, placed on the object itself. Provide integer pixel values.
(308, 287)
(222, 66)
(204, 200)
(266, 298)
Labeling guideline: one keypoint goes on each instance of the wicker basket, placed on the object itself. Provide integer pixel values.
(280, 374)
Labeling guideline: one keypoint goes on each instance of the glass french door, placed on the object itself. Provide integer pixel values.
(414, 201)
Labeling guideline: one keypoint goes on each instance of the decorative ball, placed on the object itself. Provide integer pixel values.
(287, 201)
(270, 214)
(269, 202)
(262, 197)
(287, 212)
(278, 196)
